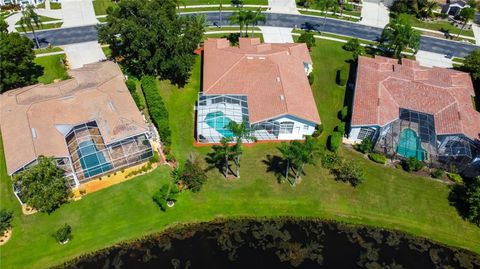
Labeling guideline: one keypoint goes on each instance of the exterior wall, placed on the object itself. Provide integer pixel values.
(24, 2)
(355, 132)
(300, 128)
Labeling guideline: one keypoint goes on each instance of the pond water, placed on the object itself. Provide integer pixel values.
(278, 244)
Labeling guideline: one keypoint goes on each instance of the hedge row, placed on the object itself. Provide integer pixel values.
(156, 108)
(335, 141)
(132, 88)
(342, 75)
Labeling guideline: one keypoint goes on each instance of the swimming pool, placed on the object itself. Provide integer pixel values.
(92, 160)
(218, 121)
(410, 145)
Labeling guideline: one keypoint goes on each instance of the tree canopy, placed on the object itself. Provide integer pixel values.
(43, 186)
(17, 68)
(150, 39)
(472, 64)
(472, 200)
(398, 36)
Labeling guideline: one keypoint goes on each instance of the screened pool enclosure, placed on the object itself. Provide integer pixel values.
(414, 135)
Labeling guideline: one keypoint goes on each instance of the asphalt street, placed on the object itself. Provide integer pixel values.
(89, 33)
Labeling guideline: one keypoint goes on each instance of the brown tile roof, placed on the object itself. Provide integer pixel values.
(383, 87)
(96, 92)
(271, 75)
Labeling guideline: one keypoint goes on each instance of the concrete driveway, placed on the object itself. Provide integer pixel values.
(375, 14)
(78, 13)
(431, 59)
(83, 53)
(282, 6)
(276, 34)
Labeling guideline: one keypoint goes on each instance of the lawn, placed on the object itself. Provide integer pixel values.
(224, 2)
(53, 68)
(42, 27)
(388, 198)
(53, 5)
(100, 6)
(47, 50)
(441, 26)
(43, 19)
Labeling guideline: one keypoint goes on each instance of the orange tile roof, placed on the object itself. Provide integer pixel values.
(384, 86)
(271, 75)
(96, 92)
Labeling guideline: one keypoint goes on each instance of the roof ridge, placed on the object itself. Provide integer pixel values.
(225, 73)
(281, 83)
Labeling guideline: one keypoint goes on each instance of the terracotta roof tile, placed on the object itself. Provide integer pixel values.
(383, 87)
(271, 75)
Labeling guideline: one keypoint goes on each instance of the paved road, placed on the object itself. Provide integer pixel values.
(89, 33)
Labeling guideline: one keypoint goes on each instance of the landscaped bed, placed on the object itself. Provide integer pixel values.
(388, 197)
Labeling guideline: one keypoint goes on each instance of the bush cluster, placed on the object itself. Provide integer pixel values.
(341, 127)
(344, 113)
(342, 76)
(63, 234)
(156, 107)
(365, 146)
(145, 168)
(378, 158)
(5, 220)
(335, 141)
(164, 194)
(455, 178)
(412, 164)
(155, 158)
(438, 173)
(132, 88)
(318, 130)
(311, 78)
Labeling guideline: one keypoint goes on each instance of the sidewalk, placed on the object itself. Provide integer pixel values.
(476, 33)
(78, 13)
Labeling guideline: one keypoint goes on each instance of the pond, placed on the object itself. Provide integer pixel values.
(280, 243)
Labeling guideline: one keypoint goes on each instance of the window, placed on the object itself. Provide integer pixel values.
(286, 127)
(305, 127)
(366, 133)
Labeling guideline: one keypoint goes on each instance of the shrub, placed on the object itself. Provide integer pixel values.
(350, 172)
(6, 217)
(156, 107)
(455, 178)
(330, 160)
(335, 141)
(342, 76)
(164, 194)
(437, 173)
(132, 88)
(318, 130)
(63, 234)
(472, 200)
(155, 158)
(192, 174)
(378, 158)
(412, 164)
(311, 78)
(351, 44)
(365, 146)
(341, 127)
(343, 113)
(307, 38)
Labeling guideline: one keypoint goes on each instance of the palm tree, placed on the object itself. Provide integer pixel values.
(30, 20)
(225, 152)
(248, 19)
(288, 154)
(256, 17)
(240, 18)
(428, 8)
(240, 132)
(466, 15)
(305, 153)
(399, 35)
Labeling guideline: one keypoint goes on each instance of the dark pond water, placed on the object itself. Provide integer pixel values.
(279, 244)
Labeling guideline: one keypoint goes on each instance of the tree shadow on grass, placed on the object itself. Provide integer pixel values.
(456, 199)
(276, 165)
(215, 160)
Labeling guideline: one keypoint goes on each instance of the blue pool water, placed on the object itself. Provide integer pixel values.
(218, 121)
(409, 145)
(92, 160)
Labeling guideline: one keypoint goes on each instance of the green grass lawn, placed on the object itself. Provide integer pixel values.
(53, 68)
(42, 27)
(100, 6)
(43, 19)
(437, 25)
(224, 2)
(388, 197)
(53, 5)
(47, 50)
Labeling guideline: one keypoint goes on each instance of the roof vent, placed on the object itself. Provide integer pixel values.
(282, 97)
(261, 58)
(249, 57)
(278, 79)
(34, 133)
(110, 104)
(288, 52)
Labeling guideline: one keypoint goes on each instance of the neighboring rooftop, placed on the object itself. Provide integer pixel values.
(35, 119)
(384, 86)
(271, 75)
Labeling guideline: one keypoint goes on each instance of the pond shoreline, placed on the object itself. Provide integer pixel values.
(175, 235)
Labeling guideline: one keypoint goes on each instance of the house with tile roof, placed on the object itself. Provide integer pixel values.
(265, 85)
(89, 124)
(409, 110)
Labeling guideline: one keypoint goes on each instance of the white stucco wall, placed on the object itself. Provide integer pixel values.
(353, 135)
(300, 128)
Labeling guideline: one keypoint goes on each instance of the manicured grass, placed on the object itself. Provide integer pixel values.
(107, 51)
(312, 13)
(437, 25)
(53, 5)
(225, 8)
(100, 6)
(42, 27)
(388, 197)
(53, 68)
(48, 50)
(224, 2)
(43, 19)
